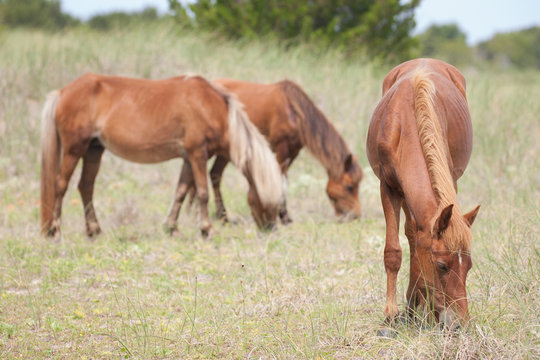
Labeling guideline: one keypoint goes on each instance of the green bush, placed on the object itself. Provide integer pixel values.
(380, 28)
(445, 42)
(519, 49)
(41, 14)
(121, 19)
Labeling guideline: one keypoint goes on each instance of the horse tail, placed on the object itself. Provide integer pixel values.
(250, 152)
(317, 134)
(50, 158)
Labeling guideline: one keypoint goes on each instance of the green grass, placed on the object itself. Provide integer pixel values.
(311, 290)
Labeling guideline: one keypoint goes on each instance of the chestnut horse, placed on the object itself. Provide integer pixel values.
(419, 143)
(289, 120)
(149, 121)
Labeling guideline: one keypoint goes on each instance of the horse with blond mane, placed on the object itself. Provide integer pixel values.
(149, 121)
(289, 120)
(419, 144)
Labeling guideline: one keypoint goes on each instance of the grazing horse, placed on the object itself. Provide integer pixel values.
(289, 120)
(149, 121)
(419, 143)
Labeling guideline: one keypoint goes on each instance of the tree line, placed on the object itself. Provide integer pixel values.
(378, 29)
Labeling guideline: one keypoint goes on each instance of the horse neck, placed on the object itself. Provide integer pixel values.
(317, 134)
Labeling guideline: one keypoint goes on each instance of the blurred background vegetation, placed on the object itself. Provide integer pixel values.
(380, 30)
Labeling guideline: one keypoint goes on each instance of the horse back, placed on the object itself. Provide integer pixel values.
(160, 118)
(393, 132)
(444, 69)
(266, 107)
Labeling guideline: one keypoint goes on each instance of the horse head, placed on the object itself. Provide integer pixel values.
(343, 190)
(265, 216)
(439, 267)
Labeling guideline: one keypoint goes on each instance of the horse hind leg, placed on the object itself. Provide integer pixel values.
(185, 183)
(91, 163)
(198, 159)
(215, 176)
(67, 166)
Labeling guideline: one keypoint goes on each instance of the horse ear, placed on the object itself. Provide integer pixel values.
(349, 160)
(471, 216)
(444, 219)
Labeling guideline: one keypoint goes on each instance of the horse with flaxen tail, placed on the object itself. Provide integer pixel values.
(149, 121)
(419, 144)
(290, 120)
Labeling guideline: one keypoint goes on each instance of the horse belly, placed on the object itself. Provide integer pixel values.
(145, 153)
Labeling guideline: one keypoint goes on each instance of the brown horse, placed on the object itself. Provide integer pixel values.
(149, 121)
(289, 120)
(419, 143)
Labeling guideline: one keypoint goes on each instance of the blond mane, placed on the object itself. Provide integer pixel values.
(458, 235)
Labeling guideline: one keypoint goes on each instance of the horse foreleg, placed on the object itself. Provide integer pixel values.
(198, 159)
(185, 182)
(68, 164)
(215, 176)
(91, 162)
(412, 298)
(392, 251)
(285, 157)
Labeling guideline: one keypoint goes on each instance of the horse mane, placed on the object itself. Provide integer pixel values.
(249, 150)
(457, 235)
(316, 132)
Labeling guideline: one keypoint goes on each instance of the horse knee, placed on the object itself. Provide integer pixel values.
(203, 196)
(84, 186)
(61, 187)
(392, 259)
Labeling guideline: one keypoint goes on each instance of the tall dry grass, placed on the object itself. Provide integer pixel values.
(314, 289)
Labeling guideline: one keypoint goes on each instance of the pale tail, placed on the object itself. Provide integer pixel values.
(251, 153)
(50, 158)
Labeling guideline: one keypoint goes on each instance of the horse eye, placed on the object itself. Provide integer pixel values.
(349, 188)
(442, 267)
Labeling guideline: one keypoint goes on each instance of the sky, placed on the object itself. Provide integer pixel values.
(479, 19)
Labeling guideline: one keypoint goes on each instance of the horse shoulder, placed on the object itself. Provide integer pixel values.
(458, 79)
(390, 79)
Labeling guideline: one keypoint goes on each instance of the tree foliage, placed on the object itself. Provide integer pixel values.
(119, 19)
(445, 42)
(42, 14)
(519, 48)
(379, 27)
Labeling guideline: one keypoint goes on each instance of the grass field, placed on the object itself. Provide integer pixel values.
(311, 290)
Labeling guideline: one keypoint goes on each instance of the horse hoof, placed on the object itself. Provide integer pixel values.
(224, 220)
(402, 319)
(221, 215)
(57, 237)
(54, 235)
(232, 221)
(94, 231)
(286, 220)
(387, 333)
(207, 234)
(170, 229)
(50, 233)
(399, 319)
